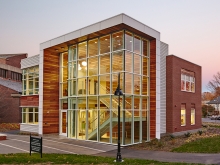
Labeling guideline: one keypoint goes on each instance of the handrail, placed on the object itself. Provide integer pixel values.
(108, 92)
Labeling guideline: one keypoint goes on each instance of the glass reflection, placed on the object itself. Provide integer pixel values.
(117, 40)
(93, 47)
(104, 44)
(104, 64)
(82, 48)
(93, 63)
(137, 44)
(128, 40)
(117, 62)
(128, 61)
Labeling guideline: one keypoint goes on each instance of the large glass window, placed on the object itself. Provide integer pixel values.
(30, 115)
(93, 69)
(30, 81)
(183, 114)
(187, 81)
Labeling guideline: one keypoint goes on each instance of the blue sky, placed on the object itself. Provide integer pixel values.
(190, 27)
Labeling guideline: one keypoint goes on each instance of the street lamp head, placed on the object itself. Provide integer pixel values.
(118, 92)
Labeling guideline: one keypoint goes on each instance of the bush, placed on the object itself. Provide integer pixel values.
(172, 137)
(200, 132)
(188, 134)
(154, 142)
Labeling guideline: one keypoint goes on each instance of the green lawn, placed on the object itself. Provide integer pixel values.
(206, 145)
(71, 159)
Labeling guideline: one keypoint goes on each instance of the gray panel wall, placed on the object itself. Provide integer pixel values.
(30, 61)
(163, 54)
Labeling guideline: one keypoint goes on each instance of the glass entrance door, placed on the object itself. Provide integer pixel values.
(63, 125)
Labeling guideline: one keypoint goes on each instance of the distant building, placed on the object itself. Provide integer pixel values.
(10, 87)
(69, 89)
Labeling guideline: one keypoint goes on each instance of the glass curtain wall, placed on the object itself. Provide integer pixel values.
(30, 81)
(93, 68)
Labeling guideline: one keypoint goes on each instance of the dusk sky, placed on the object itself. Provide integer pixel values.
(190, 27)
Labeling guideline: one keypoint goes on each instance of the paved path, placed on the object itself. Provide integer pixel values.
(59, 144)
(165, 156)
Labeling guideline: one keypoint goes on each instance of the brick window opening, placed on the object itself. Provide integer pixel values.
(183, 114)
(3, 73)
(187, 81)
(193, 114)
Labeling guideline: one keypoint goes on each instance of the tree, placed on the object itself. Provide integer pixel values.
(207, 110)
(214, 85)
(207, 96)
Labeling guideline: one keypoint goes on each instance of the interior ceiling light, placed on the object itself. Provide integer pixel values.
(56, 49)
(117, 36)
(106, 39)
(62, 47)
(119, 44)
(79, 68)
(96, 42)
(130, 41)
(84, 63)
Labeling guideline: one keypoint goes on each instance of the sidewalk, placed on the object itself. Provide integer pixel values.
(165, 156)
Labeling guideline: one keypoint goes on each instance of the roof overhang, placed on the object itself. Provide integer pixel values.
(116, 23)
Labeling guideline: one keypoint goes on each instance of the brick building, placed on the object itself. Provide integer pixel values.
(69, 88)
(183, 95)
(10, 87)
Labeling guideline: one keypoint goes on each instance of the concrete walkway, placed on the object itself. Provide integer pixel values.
(58, 144)
(165, 156)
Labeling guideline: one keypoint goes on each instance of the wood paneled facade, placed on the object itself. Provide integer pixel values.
(50, 92)
(153, 88)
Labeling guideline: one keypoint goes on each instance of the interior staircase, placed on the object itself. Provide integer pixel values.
(105, 119)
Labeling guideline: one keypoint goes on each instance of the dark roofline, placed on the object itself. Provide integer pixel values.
(12, 55)
(184, 60)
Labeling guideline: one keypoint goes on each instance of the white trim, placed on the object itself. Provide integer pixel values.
(116, 20)
(40, 109)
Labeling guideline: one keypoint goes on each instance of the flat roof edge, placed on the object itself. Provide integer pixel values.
(109, 22)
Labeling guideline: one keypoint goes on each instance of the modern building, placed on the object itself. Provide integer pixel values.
(10, 87)
(78, 76)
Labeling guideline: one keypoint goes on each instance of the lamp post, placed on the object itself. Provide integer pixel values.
(118, 93)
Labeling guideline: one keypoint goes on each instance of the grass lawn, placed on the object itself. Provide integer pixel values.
(71, 159)
(205, 145)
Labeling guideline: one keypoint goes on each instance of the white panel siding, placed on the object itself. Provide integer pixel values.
(41, 74)
(29, 128)
(30, 61)
(163, 54)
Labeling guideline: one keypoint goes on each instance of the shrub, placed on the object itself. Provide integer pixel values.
(154, 141)
(188, 134)
(200, 132)
(172, 137)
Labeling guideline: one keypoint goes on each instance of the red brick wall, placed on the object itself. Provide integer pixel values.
(29, 101)
(174, 95)
(15, 60)
(9, 106)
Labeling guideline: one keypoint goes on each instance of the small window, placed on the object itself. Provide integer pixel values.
(187, 81)
(192, 114)
(183, 114)
(30, 115)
